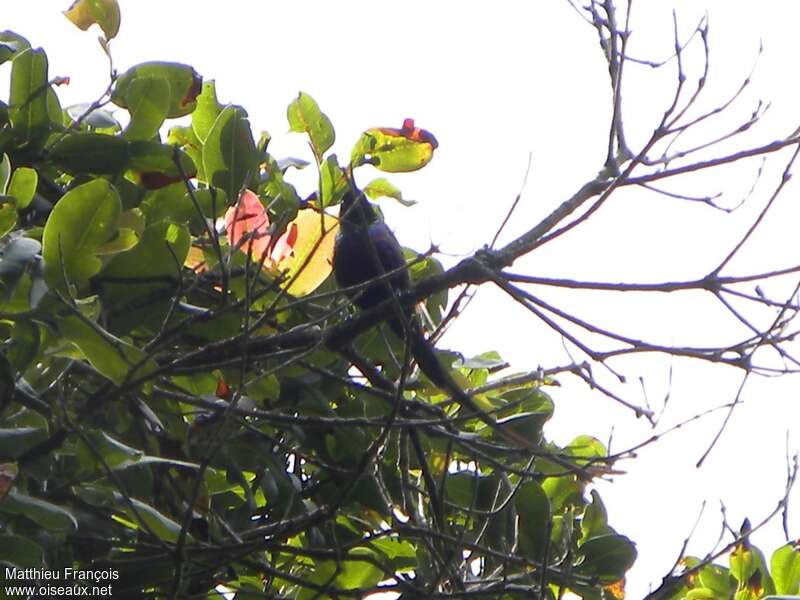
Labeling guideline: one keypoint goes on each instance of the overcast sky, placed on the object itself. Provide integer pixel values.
(500, 84)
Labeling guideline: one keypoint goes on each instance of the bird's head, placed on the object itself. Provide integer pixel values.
(356, 210)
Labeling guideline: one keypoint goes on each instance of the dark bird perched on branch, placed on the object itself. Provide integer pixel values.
(367, 250)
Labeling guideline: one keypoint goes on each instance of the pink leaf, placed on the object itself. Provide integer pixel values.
(247, 225)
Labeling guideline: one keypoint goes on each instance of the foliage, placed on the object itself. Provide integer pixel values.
(747, 577)
(187, 402)
(277, 471)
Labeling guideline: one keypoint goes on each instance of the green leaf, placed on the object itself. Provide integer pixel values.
(281, 196)
(90, 153)
(23, 186)
(762, 583)
(84, 219)
(334, 183)
(281, 489)
(137, 285)
(211, 202)
(94, 495)
(487, 360)
(531, 398)
(20, 552)
(151, 519)
(207, 111)
(105, 13)
(6, 52)
(468, 489)
(10, 44)
(159, 165)
(14, 442)
(587, 447)
(24, 295)
(131, 196)
(118, 456)
(718, 580)
(785, 568)
(25, 345)
(110, 355)
(230, 159)
(351, 573)
(419, 270)
(264, 389)
(45, 514)
(527, 425)
(5, 173)
(394, 150)
(606, 557)
(562, 492)
(699, 593)
(174, 203)
(166, 203)
(533, 508)
(460, 488)
(184, 85)
(379, 188)
(148, 102)
(28, 100)
(158, 255)
(595, 519)
(305, 116)
(743, 564)
(358, 573)
(124, 240)
(8, 215)
(395, 548)
(185, 139)
(54, 110)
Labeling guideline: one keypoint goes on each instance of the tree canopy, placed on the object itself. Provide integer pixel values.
(190, 407)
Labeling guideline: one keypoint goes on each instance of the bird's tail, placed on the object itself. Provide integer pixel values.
(422, 350)
(425, 355)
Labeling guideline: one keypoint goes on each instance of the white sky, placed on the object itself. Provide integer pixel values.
(497, 82)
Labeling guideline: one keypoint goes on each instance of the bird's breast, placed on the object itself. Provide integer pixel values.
(365, 253)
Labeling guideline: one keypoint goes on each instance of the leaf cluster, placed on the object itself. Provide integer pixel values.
(154, 424)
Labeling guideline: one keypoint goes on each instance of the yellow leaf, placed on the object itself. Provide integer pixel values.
(195, 260)
(310, 263)
(616, 590)
(105, 13)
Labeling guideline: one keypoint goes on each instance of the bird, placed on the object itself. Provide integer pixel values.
(368, 262)
(367, 250)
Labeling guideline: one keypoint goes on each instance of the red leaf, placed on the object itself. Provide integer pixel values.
(248, 229)
(284, 247)
(411, 132)
(194, 90)
(248, 223)
(223, 390)
(153, 180)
